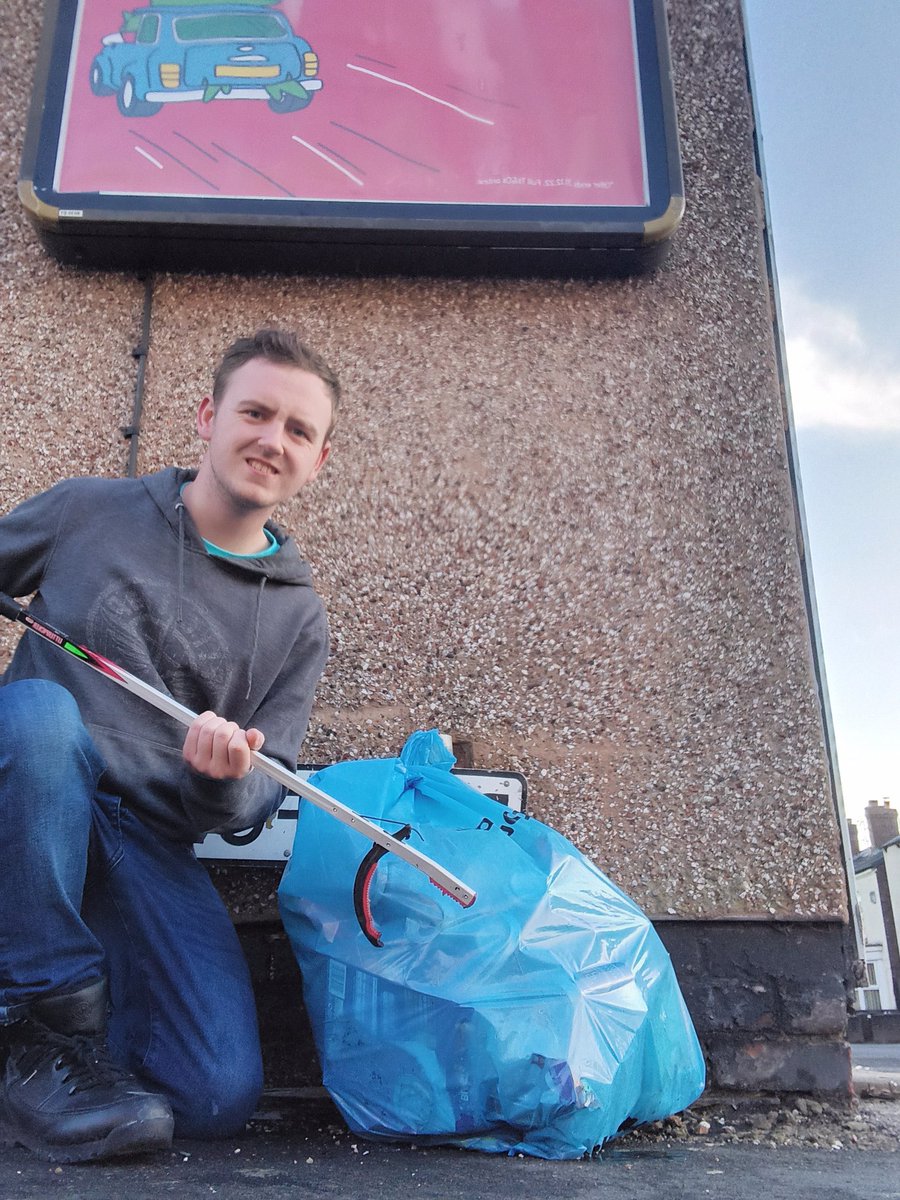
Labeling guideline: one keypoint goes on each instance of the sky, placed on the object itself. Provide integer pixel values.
(825, 81)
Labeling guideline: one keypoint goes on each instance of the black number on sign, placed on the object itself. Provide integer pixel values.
(245, 838)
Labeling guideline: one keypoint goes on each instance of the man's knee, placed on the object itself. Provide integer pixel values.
(48, 762)
(223, 1103)
(39, 713)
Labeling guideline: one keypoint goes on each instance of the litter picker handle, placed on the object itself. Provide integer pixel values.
(442, 879)
(9, 608)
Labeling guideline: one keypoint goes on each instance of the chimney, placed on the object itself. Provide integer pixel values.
(882, 821)
(854, 838)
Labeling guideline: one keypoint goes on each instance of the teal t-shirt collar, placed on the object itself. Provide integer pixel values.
(217, 552)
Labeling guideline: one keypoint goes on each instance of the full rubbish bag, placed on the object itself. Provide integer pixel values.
(541, 1020)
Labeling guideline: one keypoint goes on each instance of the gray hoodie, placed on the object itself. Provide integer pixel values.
(118, 565)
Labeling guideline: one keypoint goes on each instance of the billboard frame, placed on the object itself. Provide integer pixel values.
(247, 235)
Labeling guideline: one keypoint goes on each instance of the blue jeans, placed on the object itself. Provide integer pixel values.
(87, 890)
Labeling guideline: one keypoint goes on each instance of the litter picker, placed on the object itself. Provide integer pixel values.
(442, 879)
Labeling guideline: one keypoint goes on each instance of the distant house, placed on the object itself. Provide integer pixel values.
(877, 879)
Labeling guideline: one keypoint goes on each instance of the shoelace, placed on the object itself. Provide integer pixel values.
(85, 1056)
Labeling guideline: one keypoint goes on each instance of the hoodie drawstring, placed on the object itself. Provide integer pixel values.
(256, 624)
(179, 506)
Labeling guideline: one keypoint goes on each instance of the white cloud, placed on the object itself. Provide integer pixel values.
(837, 378)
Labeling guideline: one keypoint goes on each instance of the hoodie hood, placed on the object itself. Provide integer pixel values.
(286, 566)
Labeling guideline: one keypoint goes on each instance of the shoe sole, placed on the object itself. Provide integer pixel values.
(137, 1137)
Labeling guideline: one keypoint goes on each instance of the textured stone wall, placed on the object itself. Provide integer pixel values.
(768, 1000)
(558, 521)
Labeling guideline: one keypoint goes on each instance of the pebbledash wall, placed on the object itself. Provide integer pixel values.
(559, 524)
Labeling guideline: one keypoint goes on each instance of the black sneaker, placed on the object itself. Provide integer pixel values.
(64, 1098)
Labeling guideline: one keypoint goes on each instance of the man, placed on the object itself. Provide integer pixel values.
(111, 933)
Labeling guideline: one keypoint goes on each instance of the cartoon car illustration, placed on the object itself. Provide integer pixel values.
(176, 51)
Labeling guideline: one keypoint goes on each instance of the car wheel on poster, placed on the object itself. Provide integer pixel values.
(98, 86)
(130, 103)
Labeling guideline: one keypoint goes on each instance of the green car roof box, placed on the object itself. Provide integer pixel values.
(131, 20)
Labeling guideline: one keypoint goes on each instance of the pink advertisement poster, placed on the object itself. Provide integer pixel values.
(486, 102)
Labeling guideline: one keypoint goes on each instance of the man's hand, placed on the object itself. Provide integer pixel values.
(218, 748)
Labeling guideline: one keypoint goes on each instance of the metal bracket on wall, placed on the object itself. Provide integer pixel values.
(132, 432)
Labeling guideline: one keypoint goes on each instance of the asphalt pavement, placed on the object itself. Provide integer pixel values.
(876, 1069)
(278, 1167)
(306, 1151)
(870, 1056)
(300, 1148)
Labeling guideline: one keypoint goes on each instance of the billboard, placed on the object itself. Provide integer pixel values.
(360, 134)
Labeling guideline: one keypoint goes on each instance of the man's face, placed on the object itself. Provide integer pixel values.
(266, 434)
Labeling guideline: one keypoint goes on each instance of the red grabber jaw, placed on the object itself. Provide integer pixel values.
(448, 883)
(362, 885)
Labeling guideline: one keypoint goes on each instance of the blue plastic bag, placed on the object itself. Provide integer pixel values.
(541, 1020)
